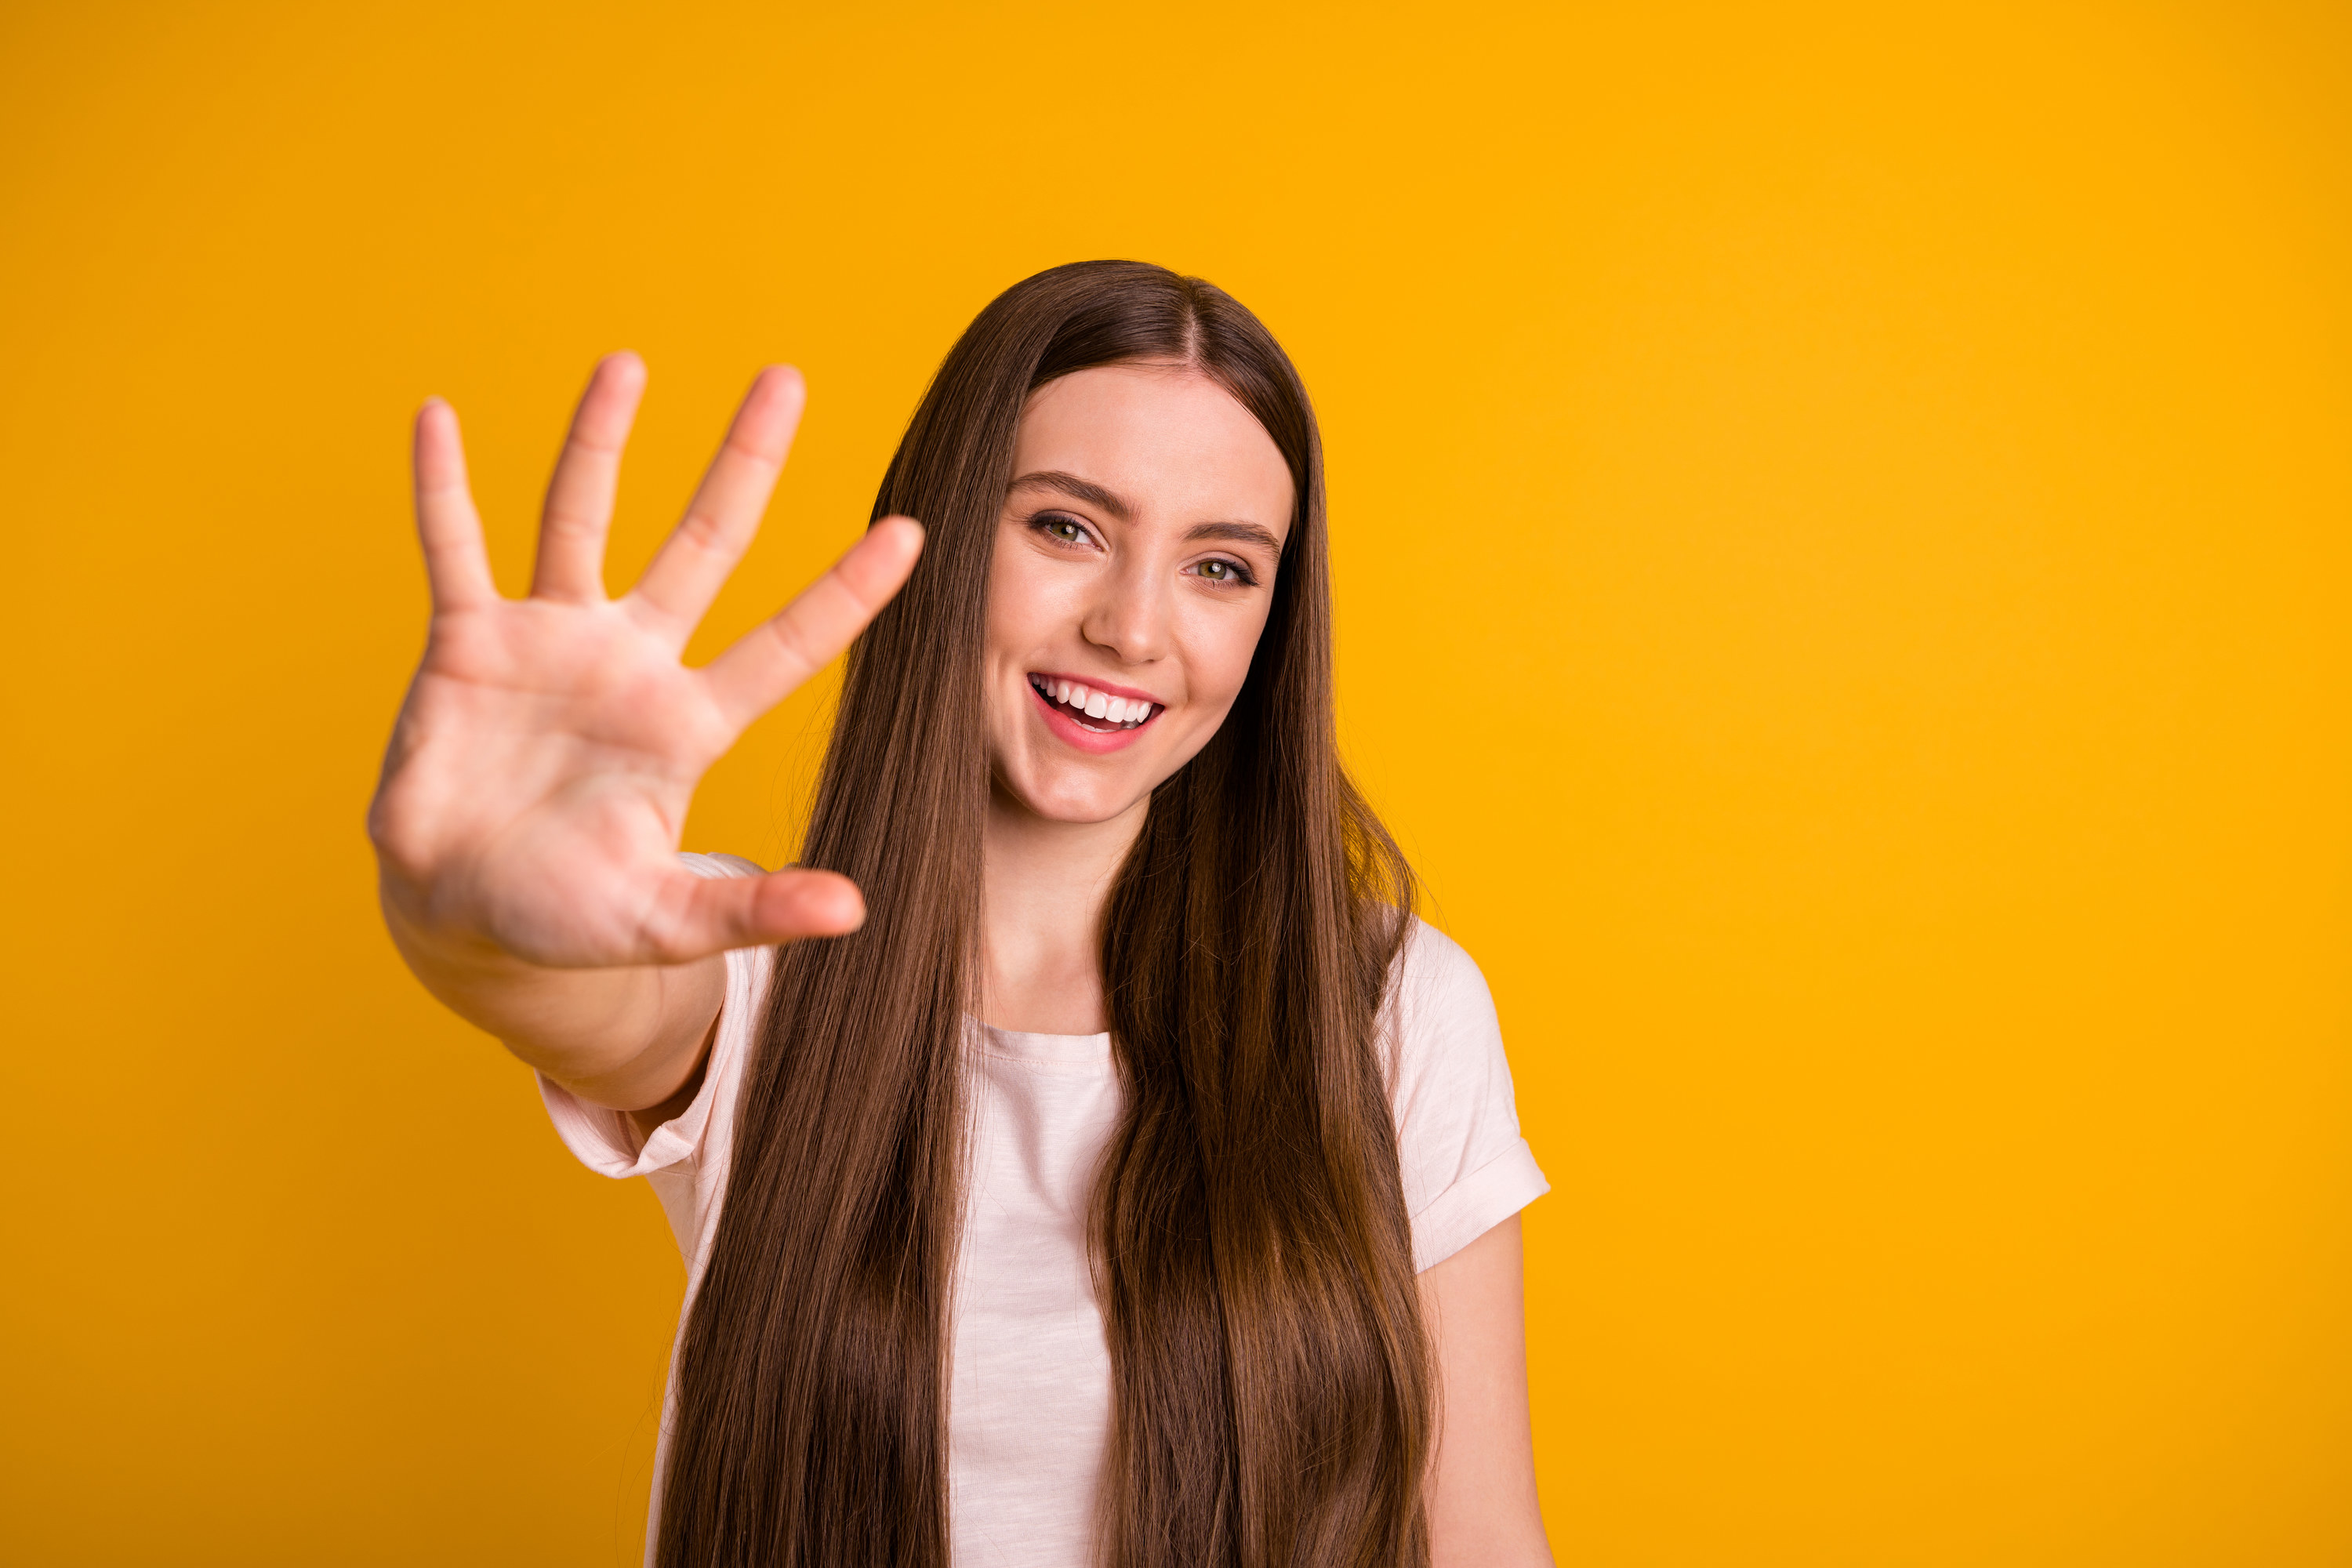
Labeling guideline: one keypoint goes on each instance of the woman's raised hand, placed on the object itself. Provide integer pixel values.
(539, 772)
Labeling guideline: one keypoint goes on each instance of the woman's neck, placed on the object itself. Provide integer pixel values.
(1042, 886)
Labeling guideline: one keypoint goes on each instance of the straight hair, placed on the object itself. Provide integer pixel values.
(1252, 1252)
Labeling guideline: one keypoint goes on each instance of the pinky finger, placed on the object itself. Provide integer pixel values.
(446, 523)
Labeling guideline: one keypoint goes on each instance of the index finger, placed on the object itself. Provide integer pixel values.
(686, 573)
(772, 658)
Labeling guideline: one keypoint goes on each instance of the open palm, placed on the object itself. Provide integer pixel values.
(539, 773)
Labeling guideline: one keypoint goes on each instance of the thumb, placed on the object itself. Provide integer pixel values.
(713, 914)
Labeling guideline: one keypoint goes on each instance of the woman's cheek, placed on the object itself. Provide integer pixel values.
(1227, 657)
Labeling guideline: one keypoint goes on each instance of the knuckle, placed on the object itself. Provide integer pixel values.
(706, 531)
(791, 640)
(767, 456)
(668, 927)
(593, 442)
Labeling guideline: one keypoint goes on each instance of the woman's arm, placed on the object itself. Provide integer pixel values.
(1482, 1487)
(628, 1038)
(527, 822)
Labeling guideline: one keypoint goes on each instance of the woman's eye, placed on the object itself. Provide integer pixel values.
(1069, 530)
(1221, 572)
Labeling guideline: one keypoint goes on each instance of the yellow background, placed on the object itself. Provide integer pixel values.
(1842, 524)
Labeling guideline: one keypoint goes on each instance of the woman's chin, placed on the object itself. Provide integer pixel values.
(1073, 802)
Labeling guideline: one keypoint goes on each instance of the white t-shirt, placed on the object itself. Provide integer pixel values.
(1029, 1411)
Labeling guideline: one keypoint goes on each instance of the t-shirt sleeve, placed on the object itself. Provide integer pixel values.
(1465, 1165)
(606, 1141)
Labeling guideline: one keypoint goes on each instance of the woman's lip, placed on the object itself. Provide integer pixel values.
(1070, 732)
(1092, 684)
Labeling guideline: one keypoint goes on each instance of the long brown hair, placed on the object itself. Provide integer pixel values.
(1253, 1255)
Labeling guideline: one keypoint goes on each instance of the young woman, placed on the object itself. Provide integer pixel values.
(1083, 1157)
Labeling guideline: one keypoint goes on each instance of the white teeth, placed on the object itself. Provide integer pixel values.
(1095, 704)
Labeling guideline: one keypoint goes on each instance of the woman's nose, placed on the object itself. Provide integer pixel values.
(1130, 617)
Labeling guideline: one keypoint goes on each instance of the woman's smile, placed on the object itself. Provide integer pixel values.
(1104, 716)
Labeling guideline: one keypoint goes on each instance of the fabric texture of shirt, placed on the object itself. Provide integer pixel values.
(1029, 1391)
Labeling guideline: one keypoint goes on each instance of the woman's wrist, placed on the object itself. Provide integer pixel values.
(626, 1037)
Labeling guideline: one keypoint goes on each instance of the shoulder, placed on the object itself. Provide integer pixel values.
(1434, 967)
(1463, 1166)
(1441, 1026)
(1436, 994)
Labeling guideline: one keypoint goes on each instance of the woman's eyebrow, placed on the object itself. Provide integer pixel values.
(1240, 532)
(1077, 489)
(1111, 501)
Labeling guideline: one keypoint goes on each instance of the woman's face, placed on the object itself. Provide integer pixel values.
(1135, 562)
